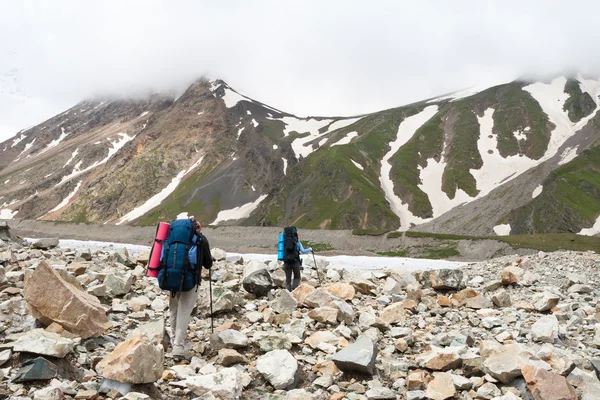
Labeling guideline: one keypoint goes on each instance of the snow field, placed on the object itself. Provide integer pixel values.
(240, 212)
(406, 130)
(502, 230)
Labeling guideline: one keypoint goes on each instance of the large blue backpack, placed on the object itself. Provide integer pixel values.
(176, 272)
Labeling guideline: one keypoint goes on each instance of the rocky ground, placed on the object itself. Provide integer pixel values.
(90, 325)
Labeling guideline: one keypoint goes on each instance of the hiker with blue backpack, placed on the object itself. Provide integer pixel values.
(289, 252)
(184, 253)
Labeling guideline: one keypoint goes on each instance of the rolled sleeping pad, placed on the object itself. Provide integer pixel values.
(162, 232)
(280, 248)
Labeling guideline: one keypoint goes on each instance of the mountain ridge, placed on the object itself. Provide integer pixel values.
(228, 158)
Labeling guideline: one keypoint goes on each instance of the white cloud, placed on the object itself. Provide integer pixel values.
(359, 56)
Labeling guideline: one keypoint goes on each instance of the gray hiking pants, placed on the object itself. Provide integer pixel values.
(181, 307)
(289, 268)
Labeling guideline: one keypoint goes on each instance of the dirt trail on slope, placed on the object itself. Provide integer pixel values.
(263, 240)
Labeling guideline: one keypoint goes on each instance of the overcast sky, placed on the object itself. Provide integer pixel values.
(305, 57)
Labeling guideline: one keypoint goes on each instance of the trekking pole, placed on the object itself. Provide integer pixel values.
(317, 268)
(212, 325)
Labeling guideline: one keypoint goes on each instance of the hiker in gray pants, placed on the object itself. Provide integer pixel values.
(183, 303)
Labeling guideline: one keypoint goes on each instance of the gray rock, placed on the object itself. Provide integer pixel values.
(284, 302)
(280, 368)
(224, 385)
(39, 341)
(45, 244)
(257, 279)
(488, 391)
(545, 329)
(358, 356)
(545, 301)
(415, 395)
(229, 339)
(274, 341)
(5, 355)
(581, 289)
(86, 254)
(446, 279)
(117, 284)
(501, 299)
(380, 394)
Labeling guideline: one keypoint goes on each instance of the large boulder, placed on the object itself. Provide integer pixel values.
(257, 279)
(52, 299)
(223, 385)
(446, 279)
(134, 361)
(280, 368)
(357, 357)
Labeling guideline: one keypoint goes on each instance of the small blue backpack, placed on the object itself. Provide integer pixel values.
(176, 271)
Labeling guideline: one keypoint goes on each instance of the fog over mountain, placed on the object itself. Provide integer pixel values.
(308, 58)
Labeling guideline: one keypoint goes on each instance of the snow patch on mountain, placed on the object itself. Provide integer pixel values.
(495, 169)
(27, 147)
(55, 142)
(594, 230)
(116, 145)
(552, 98)
(240, 131)
(66, 200)
(17, 140)
(357, 165)
(502, 229)
(406, 130)
(285, 164)
(7, 213)
(312, 127)
(73, 155)
(240, 212)
(568, 154)
(160, 196)
(537, 191)
(231, 98)
(431, 184)
(590, 86)
(346, 139)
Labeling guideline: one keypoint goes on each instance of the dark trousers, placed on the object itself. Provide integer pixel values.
(289, 268)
